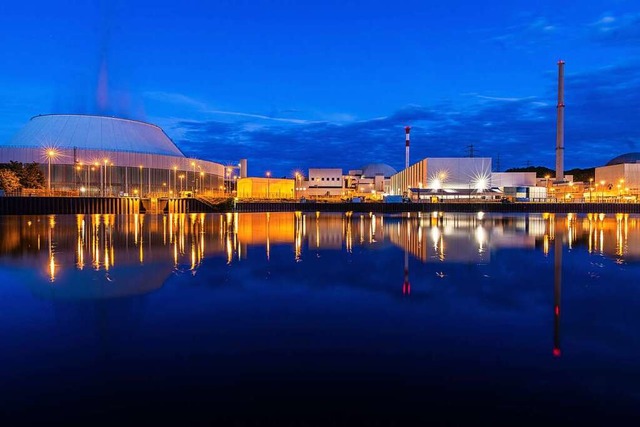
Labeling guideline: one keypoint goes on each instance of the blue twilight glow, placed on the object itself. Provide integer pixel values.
(292, 85)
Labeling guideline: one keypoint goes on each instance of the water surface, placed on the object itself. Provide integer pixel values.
(319, 319)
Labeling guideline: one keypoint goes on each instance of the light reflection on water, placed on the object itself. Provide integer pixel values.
(488, 295)
(446, 238)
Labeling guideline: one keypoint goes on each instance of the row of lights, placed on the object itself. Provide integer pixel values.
(52, 154)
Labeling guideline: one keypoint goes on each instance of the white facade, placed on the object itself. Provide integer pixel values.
(325, 178)
(324, 182)
(513, 179)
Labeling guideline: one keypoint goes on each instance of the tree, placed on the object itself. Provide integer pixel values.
(32, 176)
(29, 175)
(9, 181)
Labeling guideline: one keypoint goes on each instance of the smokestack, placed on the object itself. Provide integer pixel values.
(560, 125)
(406, 146)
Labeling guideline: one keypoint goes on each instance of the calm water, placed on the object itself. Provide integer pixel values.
(335, 319)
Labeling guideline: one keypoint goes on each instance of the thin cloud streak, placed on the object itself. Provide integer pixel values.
(262, 117)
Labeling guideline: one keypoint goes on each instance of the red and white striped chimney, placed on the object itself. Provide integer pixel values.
(406, 146)
(560, 125)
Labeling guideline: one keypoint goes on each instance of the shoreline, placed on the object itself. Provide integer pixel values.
(124, 206)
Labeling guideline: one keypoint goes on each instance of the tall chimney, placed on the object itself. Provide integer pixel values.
(560, 125)
(406, 146)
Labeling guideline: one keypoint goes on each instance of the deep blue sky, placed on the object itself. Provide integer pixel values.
(292, 84)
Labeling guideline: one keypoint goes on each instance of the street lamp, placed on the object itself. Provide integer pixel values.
(175, 178)
(51, 154)
(92, 169)
(104, 181)
(295, 194)
(590, 188)
(602, 190)
(181, 182)
(268, 176)
(193, 186)
(140, 175)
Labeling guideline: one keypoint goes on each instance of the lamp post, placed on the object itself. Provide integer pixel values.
(268, 176)
(193, 186)
(104, 180)
(181, 182)
(79, 168)
(175, 178)
(201, 180)
(93, 168)
(590, 188)
(295, 194)
(602, 190)
(140, 179)
(50, 155)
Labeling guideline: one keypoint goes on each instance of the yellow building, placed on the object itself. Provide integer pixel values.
(266, 188)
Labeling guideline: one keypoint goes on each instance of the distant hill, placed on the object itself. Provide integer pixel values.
(542, 171)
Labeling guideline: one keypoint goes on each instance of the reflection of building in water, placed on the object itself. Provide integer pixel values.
(78, 253)
(462, 237)
(615, 235)
(557, 276)
(256, 229)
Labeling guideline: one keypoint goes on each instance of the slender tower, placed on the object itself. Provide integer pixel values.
(560, 125)
(406, 146)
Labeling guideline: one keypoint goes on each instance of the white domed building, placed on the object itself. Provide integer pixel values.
(108, 156)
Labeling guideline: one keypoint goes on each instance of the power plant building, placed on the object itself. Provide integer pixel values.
(447, 177)
(619, 178)
(108, 156)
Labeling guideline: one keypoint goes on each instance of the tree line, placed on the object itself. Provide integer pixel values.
(14, 176)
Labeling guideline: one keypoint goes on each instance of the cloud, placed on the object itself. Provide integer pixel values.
(601, 112)
(526, 34)
(617, 30)
(260, 116)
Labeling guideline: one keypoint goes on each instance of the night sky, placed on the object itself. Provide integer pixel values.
(292, 84)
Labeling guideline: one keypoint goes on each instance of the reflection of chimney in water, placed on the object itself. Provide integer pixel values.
(406, 286)
(557, 270)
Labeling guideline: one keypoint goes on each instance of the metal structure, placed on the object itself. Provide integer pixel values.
(106, 156)
(406, 146)
(560, 125)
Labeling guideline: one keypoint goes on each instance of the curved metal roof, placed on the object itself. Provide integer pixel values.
(94, 132)
(625, 158)
(373, 169)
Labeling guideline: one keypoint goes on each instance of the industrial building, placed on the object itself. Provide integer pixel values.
(108, 156)
(370, 181)
(443, 178)
(266, 188)
(618, 179)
